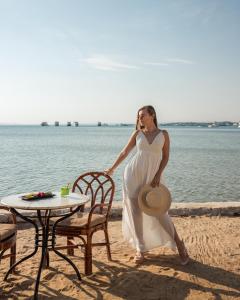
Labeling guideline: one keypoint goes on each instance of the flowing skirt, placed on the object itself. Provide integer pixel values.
(141, 231)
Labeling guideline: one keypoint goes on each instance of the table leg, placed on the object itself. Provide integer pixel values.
(54, 238)
(44, 254)
(45, 239)
(44, 243)
(45, 223)
(36, 242)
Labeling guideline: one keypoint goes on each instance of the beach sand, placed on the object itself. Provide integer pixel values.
(213, 273)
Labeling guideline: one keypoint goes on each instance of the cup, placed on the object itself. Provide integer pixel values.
(64, 190)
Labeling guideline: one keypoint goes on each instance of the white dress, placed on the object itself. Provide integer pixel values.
(141, 231)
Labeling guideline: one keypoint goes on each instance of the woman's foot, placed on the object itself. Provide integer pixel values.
(139, 258)
(183, 254)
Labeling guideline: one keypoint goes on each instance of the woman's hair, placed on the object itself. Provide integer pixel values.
(150, 109)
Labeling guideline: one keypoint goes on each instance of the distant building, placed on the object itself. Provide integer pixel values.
(76, 124)
(56, 123)
(69, 124)
(99, 124)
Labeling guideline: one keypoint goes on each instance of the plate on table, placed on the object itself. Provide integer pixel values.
(37, 196)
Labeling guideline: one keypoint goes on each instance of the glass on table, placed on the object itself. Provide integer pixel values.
(65, 190)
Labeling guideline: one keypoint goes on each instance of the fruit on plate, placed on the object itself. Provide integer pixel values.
(38, 195)
(41, 194)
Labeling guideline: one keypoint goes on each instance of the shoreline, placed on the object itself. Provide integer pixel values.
(193, 209)
(189, 209)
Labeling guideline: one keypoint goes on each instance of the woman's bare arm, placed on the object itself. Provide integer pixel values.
(124, 153)
(164, 161)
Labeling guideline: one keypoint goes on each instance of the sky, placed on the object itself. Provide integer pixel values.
(90, 61)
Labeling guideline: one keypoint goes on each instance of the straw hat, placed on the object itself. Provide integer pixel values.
(154, 201)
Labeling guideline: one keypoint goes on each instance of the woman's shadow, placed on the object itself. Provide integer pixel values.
(139, 283)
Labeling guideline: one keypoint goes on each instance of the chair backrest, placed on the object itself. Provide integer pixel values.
(99, 187)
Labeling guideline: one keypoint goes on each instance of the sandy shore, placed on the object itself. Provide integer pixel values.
(214, 271)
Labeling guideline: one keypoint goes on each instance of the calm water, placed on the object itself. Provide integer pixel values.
(204, 162)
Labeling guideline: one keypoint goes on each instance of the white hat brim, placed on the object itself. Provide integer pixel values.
(164, 197)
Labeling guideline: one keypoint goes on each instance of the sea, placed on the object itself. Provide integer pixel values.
(204, 163)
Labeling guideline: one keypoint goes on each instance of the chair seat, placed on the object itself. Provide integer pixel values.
(81, 222)
(7, 230)
(5, 216)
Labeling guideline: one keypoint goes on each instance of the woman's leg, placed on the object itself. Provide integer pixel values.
(132, 226)
(181, 248)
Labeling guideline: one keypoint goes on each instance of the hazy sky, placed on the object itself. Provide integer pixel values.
(89, 61)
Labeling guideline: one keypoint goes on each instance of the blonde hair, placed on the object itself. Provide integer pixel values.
(150, 109)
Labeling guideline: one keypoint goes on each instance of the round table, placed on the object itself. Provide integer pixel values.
(44, 233)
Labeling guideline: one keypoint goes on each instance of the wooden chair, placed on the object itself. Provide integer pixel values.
(8, 234)
(100, 188)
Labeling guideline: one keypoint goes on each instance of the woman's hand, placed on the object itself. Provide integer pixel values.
(108, 171)
(156, 180)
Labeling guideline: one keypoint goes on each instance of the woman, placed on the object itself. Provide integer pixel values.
(142, 231)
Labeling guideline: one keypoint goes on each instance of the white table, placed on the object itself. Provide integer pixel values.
(44, 234)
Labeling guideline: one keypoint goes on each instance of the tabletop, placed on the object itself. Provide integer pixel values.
(56, 202)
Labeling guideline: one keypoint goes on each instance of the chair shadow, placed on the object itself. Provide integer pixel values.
(118, 279)
(16, 291)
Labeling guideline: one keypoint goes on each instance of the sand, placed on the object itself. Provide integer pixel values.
(213, 273)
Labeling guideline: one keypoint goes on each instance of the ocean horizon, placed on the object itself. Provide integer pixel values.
(216, 124)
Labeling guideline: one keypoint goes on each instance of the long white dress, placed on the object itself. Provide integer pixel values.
(141, 231)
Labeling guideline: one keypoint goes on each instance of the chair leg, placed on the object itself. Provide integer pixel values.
(47, 259)
(107, 243)
(88, 255)
(13, 252)
(70, 251)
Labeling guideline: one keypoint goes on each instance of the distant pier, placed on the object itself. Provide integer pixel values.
(44, 124)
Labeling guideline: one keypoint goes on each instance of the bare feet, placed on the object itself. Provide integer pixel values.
(139, 258)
